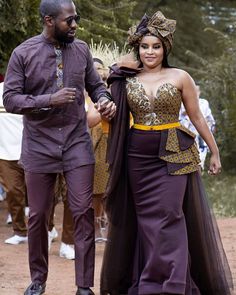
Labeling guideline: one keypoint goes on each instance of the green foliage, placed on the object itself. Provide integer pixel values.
(191, 20)
(105, 20)
(217, 77)
(18, 21)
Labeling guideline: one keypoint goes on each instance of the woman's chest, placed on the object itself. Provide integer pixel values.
(166, 98)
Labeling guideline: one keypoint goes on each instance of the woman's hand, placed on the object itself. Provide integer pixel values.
(215, 165)
(106, 108)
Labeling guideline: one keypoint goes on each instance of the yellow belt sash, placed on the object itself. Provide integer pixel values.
(105, 126)
(156, 127)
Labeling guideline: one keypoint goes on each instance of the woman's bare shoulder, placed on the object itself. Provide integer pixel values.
(179, 77)
(178, 72)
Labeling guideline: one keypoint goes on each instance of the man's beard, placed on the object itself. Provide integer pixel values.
(62, 37)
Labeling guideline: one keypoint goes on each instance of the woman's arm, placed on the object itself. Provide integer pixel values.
(93, 116)
(191, 103)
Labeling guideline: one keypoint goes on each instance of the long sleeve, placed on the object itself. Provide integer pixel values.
(93, 83)
(14, 98)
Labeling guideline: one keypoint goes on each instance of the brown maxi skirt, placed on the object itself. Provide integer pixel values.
(161, 242)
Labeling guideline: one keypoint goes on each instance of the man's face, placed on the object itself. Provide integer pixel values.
(66, 24)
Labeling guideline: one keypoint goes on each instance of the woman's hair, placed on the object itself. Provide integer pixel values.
(98, 60)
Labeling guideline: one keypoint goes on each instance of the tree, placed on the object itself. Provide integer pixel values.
(18, 21)
(106, 20)
(220, 88)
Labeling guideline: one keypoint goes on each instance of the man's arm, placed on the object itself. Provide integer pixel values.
(14, 98)
(93, 82)
(97, 91)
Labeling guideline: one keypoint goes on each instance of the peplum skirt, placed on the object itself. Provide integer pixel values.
(159, 241)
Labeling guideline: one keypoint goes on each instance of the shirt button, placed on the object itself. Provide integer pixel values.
(59, 146)
(59, 129)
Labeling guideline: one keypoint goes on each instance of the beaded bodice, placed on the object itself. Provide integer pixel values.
(161, 109)
(177, 146)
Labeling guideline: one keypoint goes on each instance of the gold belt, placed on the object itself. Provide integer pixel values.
(157, 127)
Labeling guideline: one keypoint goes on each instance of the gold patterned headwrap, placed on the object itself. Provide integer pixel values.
(156, 25)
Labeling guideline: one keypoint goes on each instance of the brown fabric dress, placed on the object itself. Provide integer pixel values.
(161, 226)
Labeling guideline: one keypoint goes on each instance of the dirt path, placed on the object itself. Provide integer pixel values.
(14, 272)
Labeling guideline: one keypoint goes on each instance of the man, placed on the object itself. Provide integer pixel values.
(45, 81)
(11, 174)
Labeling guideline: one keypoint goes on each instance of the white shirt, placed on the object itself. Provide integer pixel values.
(207, 114)
(11, 127)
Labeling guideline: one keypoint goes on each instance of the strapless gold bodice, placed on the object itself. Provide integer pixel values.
(177, 146)
(161, 109)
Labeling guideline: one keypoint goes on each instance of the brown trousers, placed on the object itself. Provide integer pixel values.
(13, 180)
(68, 223)
(41, 193)
(67, 226)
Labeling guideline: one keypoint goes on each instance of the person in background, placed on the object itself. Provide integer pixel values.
(99, 128)
(67, 241)
(162, 235)
(207, 114)
(2, 193)
(1, 78)
(11, 173)
(45, 81)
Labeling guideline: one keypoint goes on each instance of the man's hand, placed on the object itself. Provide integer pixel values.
(106, 108)
(64, 95)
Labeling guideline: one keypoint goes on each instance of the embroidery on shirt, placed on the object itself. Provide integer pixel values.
(59, 64)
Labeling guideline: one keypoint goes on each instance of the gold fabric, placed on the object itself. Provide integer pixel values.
(99, 139)
(158, 25)
(99, 135)
(164, 109)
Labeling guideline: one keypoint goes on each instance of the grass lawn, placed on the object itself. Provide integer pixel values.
(222, 193)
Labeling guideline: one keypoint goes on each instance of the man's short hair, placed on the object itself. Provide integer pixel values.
(51, 7)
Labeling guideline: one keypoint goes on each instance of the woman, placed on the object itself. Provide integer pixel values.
(155, 198)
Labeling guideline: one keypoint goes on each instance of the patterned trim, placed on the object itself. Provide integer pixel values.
(59, 70)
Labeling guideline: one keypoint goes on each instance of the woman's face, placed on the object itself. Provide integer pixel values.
(151, 51)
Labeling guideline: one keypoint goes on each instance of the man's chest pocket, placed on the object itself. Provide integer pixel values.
(42, 83)
(76, 80)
